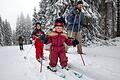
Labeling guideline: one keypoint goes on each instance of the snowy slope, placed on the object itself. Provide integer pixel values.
(102, 63)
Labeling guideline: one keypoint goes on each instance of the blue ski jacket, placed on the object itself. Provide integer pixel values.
(75, 20)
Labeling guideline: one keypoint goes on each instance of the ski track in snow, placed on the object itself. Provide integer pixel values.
(102, 63)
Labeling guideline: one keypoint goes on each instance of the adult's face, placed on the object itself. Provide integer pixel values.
(80, 6)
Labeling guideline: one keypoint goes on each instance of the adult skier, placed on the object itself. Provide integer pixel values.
(75, 21)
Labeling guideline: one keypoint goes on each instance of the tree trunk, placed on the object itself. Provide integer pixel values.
(118, 18)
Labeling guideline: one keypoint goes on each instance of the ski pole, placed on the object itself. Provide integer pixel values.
(25, 57)
(82, 59)
(81, 55)
(79, 33)
(41, 66)
(73, 26)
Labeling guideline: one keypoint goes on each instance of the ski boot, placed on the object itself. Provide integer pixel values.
(53, 69)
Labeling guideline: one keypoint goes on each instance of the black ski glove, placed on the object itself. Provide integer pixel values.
(38, 35)
(85, 25)
(43, 38)
(75, 42)
(70, 38)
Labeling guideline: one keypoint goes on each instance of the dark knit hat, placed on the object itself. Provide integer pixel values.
(37, 23)
(79, 2)
(58, 22)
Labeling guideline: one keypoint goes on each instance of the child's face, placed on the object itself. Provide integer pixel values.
(38, 26)
(59, 29)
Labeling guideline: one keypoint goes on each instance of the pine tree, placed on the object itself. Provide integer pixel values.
(7, 34)
(28, 29)
(23, 28)
(20, 25)
(109, 18)
(43, 11)
(35, 17)
(100, 17)
(14, 39)
(1, 35)
(118, 17)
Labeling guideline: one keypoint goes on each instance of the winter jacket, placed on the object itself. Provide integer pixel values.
(20, 40)
(38, 43)
(36, 36)
(57, 48)
(58, 39)
(75, 20)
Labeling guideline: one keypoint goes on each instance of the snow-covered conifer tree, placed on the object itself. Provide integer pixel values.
(7, 34)
(118, 18)
(1, 35)
(23, 28)
(100, 17)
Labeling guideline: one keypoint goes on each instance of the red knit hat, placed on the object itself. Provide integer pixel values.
(58, 22)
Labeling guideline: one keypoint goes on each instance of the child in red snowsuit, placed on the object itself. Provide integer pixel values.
(36, 34)
(57, 50)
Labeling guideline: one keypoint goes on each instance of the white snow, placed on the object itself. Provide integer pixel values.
(102, 63)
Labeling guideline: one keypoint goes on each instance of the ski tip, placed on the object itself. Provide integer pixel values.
(25, 57)
(48, 67)
(40, 71)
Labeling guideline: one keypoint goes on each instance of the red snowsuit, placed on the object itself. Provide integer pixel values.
(38, 43)
(57, 48)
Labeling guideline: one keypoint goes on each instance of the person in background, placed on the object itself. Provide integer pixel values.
(20, 41)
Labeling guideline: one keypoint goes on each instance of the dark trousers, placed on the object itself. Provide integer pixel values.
(21, 46)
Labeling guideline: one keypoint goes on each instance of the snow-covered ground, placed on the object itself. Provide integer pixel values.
(102, 63)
